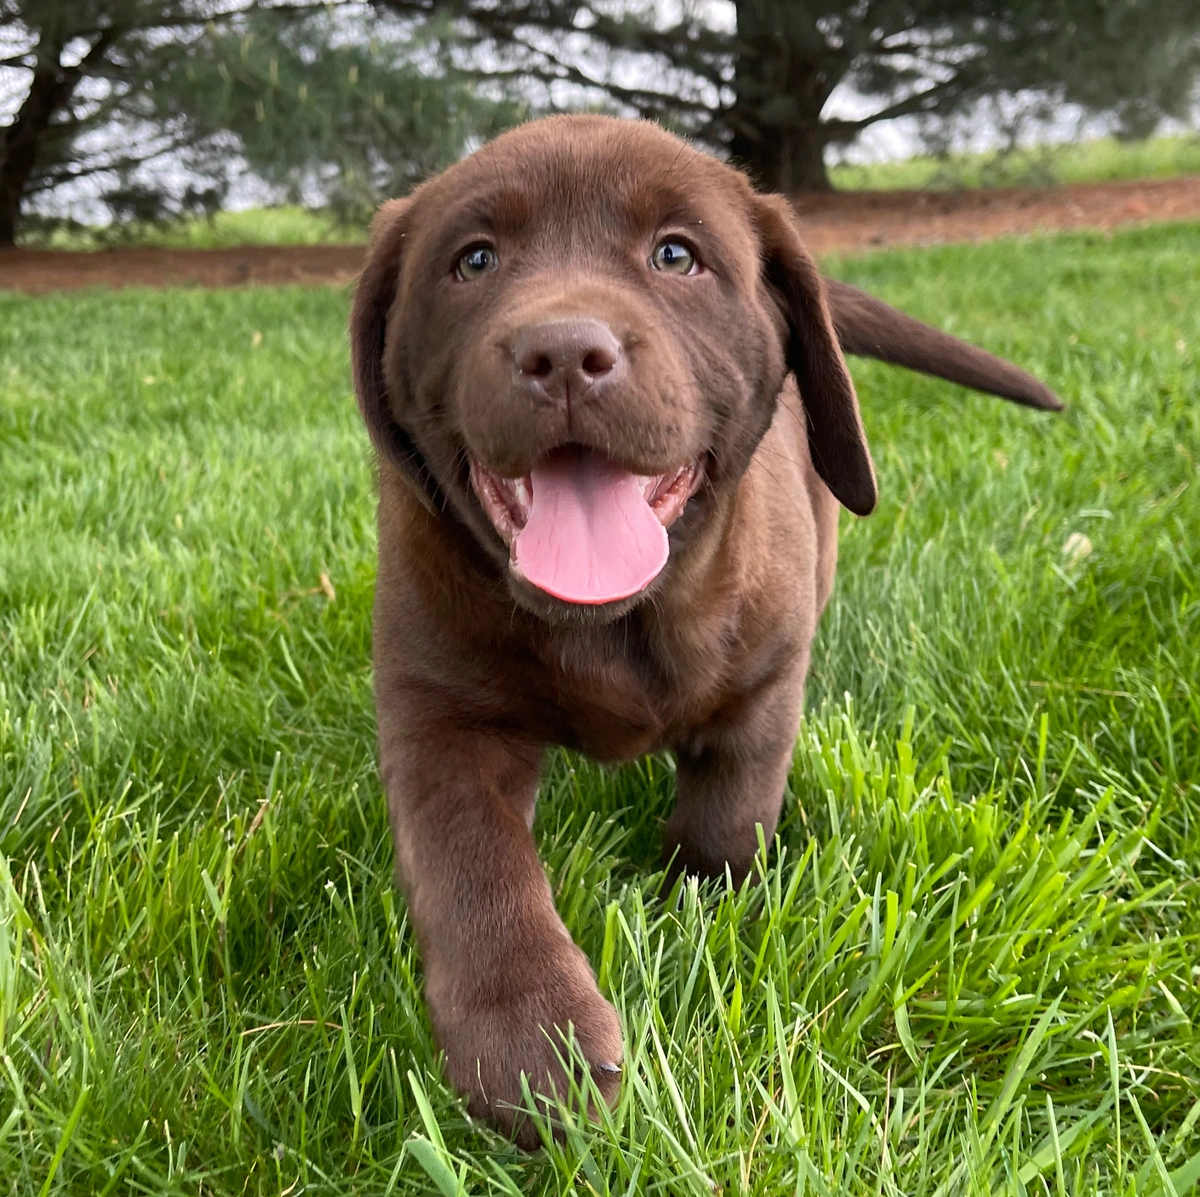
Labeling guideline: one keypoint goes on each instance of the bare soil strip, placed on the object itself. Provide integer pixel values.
(857, 220)
(840, 222)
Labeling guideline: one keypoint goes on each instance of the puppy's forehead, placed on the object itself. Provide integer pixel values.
(589, 175)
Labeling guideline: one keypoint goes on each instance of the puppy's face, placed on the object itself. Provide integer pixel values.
(575, 340)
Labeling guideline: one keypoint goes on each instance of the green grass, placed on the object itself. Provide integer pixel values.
(971, 966)
(287, 224)
(1101, 160)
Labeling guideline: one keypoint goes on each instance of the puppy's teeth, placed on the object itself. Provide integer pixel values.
(522, 494)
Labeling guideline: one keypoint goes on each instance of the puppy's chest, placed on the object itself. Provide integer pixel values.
(626, 695)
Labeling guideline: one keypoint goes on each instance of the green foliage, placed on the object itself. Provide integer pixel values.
(354, 111)
(283, 224)
(1134, 59)
(761, 91)
(165, 103)
(968, 966)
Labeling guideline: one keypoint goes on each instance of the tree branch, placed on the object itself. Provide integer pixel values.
(654, 101)
(838, 130)
(52, 179)
(183, 20)
(559, 71)
(678, 44)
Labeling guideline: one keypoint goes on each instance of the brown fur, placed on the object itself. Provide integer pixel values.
(476, 672)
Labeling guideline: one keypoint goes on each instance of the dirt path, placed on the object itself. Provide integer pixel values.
(856, 220)
(842, 222)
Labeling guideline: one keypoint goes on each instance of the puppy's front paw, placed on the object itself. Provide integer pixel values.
(707, 856)
(493, 1030)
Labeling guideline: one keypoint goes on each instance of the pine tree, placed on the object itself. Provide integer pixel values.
(758, 88)
(351, 100)
(314, 97)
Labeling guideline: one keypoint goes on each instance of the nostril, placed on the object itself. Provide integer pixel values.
(561, 354)
(597, 362)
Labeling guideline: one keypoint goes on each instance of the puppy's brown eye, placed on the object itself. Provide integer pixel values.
(479, 259)
(675, 257)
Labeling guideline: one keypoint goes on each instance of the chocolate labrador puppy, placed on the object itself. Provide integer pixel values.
(614, 426)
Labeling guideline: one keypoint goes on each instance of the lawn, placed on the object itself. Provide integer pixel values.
(1098, 160)
(970, 965)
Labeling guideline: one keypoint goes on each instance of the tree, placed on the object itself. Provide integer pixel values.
(758, 88)
(313, 97)
(342, 106)
(345, 101)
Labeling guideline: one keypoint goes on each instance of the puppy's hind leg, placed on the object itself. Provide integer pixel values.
(731, 776)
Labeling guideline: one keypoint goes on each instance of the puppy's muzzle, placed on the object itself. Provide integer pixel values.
(564, 361)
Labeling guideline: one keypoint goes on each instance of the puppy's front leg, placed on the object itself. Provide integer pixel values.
(503, 979)
(731, 774)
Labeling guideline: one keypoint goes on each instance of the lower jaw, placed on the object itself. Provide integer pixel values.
(563, 613)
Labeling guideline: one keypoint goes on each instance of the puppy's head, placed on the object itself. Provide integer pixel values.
(573, 342)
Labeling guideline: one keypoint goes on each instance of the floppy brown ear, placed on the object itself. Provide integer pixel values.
(836, 438)
(374, 295)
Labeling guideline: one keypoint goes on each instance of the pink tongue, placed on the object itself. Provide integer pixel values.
(591, 537)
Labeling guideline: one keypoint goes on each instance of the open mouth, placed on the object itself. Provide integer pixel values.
(583, 529)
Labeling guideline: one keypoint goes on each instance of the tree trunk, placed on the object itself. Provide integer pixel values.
(24, 142)
(784, 71)
(785, 160)
(10, 211)
(24, 137)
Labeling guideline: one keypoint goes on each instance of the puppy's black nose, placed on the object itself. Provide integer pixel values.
(566, 359)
